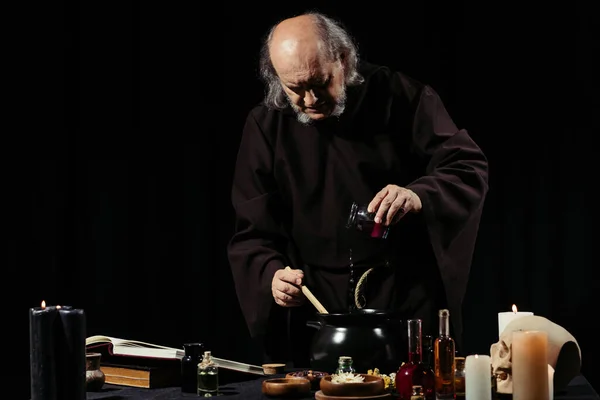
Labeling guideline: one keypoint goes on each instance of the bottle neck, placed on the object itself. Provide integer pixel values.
(193, 352)
(352, 216)
(444, 324)
(207, 358)
(415, 344)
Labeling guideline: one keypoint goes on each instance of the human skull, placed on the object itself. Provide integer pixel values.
(564, 354)
(500, 353)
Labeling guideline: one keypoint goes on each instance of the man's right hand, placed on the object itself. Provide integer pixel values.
(286, 287)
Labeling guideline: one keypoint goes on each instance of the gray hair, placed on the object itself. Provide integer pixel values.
(338, 45)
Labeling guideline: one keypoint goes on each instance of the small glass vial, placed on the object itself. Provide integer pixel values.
(208, 376)
(363, 221)
(345, 365)
(189, 367)
(459, 378)
(417, 393)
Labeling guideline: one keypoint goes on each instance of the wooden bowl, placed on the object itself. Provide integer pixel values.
(313, 376)
(286, 387)
(273, 369)
(371, 386)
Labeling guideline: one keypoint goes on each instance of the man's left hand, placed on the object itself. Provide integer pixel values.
(394, 202)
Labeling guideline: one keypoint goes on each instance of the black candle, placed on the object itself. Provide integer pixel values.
(70, 380)
(57, 353)
(41, 352)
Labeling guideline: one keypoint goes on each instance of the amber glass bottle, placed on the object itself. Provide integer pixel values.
(444, 359)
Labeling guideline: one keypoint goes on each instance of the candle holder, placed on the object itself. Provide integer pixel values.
(94, 376)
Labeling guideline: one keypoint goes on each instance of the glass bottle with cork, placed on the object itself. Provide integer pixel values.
(415, 372)
(189, 367)
(345, 365)
(444, 359)
(208, 376)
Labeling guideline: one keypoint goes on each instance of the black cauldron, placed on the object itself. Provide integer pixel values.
(373, 338)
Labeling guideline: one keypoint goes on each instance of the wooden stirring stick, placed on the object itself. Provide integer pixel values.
(311, 297)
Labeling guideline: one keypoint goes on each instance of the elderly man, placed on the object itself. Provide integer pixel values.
(334, 130)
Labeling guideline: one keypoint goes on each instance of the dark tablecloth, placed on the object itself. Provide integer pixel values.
(579, 389)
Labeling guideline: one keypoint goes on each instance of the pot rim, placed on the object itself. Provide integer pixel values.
(363, 311)
(361, 317)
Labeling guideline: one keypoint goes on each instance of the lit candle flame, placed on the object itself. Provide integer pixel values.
(43, 303)
(514, 308)
(57, 307)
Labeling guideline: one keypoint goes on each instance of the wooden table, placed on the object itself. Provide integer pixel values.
(579, 389)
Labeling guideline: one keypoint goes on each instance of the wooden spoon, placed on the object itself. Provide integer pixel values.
(311, 297)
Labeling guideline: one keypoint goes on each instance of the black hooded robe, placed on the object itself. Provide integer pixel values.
(294, 185)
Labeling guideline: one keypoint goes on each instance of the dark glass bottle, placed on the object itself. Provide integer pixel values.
(428, 351)
(415, 372)
(364, 222)
(189, 367)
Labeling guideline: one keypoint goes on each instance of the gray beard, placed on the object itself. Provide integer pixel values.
(304, 119)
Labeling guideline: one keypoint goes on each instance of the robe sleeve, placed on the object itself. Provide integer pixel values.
(452, 191)
(257, 247)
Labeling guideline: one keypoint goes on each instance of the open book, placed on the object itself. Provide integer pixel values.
(125, 347)
(135, 348)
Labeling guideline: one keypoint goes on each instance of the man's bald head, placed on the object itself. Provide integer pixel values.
(296, 43)
(307, 61)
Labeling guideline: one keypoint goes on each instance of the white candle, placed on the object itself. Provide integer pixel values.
(550, 381)
(530, 365)
(478, 377)
(504, 318)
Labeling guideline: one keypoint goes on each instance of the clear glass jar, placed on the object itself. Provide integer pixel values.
(345, 365)
(417, 393)
(363, 221)
(208, 376)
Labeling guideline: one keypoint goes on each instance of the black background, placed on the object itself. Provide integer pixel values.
(128, 117)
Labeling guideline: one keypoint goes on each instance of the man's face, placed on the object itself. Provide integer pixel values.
(316, 89)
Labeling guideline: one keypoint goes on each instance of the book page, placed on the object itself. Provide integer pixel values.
(142, 351)
(136, 343)
(118, 342)
(97, 339)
